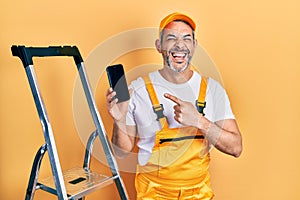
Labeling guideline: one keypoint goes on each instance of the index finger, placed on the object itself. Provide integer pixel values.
(173, 98)
(109, 91)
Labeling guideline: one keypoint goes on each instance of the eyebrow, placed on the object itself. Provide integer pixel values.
(171, 35)
(184, 36)
(187, 35)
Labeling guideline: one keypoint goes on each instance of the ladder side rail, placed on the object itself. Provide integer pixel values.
(48, 134)
(101, 131)
(89, 149)
(96, 118)
(32, 184)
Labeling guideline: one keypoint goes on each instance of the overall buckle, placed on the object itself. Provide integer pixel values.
(200, 106)
(159, 111)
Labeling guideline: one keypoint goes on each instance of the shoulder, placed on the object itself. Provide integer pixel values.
(140, 82)
(137, 83)
(213, 83)
(213, 86)
(197, 77)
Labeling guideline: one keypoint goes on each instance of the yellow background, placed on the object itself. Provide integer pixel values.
(255, 45)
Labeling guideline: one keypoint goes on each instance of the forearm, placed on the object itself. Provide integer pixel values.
(224, 135)
(122, 139)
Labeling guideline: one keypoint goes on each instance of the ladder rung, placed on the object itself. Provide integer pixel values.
(79, 182)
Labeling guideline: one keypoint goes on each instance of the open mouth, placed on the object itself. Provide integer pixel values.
(179, 57)
(178, 54)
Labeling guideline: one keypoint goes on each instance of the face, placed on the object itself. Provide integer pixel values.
(177, 46)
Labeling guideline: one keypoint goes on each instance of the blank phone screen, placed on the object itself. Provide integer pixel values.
(117, 81)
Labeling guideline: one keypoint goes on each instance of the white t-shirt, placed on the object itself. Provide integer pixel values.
(141, 114)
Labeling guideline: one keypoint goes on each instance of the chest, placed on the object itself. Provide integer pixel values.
(144, 114)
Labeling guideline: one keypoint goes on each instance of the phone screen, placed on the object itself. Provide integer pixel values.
(117, 81)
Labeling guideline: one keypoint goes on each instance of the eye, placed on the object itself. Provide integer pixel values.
(171, 38)
(188, 39)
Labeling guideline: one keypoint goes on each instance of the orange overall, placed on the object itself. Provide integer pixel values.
(178, 167)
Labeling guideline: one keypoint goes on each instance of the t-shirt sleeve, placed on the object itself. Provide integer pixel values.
(222, 107)
(130, 114)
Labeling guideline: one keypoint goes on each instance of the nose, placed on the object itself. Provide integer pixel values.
(179, 43)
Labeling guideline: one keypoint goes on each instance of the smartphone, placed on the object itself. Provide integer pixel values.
(117, 82)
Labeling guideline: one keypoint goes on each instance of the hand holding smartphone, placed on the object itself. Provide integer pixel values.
(117, 81)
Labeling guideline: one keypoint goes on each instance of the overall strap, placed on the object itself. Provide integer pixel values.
(157, 107)
(201, 103)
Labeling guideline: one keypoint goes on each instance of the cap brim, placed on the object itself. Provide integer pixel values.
(177, 16)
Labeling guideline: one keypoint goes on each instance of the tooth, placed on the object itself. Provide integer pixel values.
(179, 54)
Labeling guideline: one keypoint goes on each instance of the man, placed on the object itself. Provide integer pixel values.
(177, 115)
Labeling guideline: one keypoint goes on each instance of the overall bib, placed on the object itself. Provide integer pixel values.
(178, 167)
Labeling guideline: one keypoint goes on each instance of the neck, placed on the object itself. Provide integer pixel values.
(176, 77)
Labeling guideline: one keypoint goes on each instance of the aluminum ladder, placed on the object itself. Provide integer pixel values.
(78, 182)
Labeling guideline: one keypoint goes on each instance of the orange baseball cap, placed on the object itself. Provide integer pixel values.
(176, 16)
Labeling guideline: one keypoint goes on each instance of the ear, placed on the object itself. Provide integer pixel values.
(158, 45)
(195, 43)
